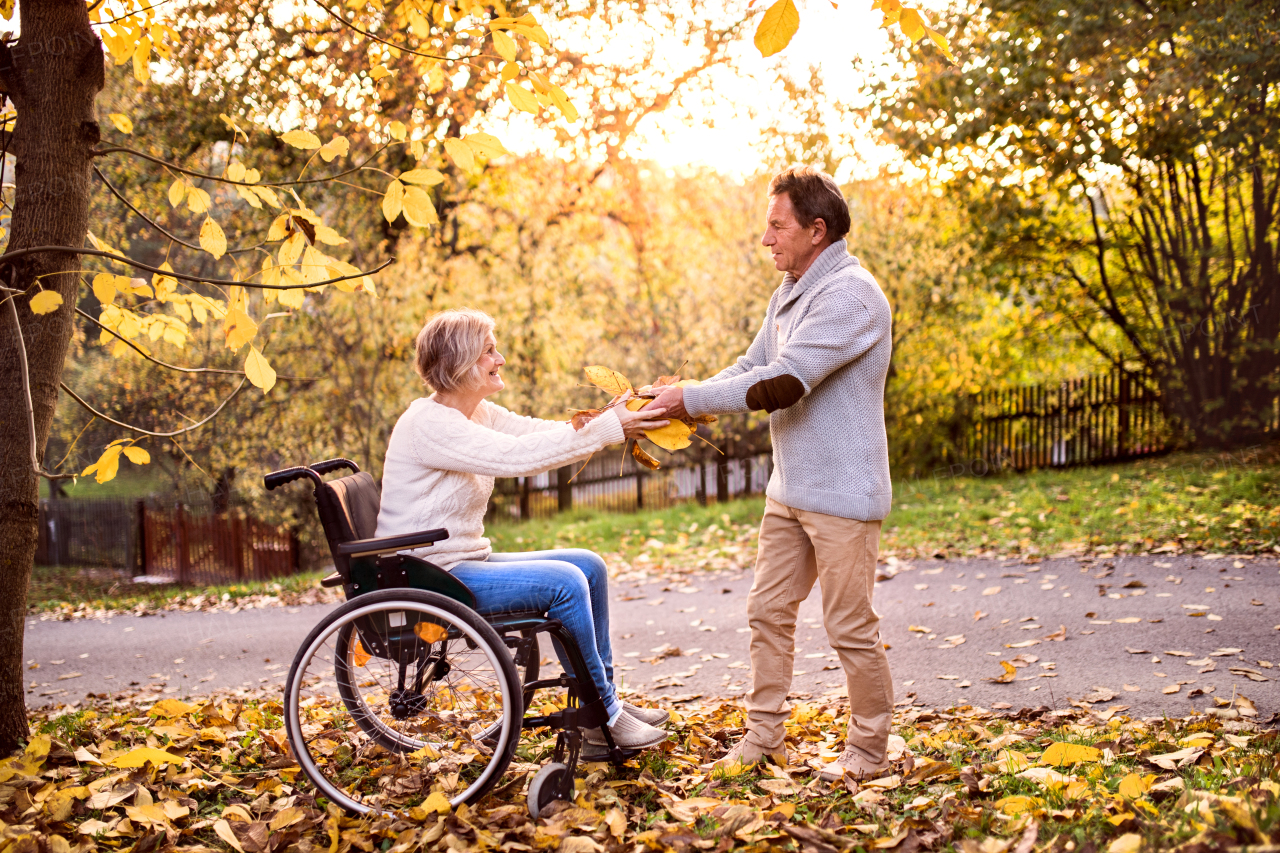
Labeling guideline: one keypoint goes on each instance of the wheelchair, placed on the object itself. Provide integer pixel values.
(406, 688)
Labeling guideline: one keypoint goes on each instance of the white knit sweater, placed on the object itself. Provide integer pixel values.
(440, 468)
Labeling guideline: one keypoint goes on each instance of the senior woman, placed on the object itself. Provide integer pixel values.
(443, 456)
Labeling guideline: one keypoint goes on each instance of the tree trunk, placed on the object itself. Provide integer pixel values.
(52, 76)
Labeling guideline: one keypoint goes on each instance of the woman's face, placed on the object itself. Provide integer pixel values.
(490, 365)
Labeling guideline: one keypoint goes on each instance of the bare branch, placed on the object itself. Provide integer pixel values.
(35, 250)
(111, 149)
(400, 47)
(148, 432)
(156, 225)
(175, 367)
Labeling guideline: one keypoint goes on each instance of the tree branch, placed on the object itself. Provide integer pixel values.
(179, 369)
(35, 250)
(156, 225)
(36, 467)
(148, 432)
(366, 34)
(111, 149)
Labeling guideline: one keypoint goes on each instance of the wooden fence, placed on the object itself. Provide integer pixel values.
(1104, 418)
(606, 484)
(175, 543)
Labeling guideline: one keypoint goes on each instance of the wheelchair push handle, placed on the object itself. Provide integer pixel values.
(276, 479)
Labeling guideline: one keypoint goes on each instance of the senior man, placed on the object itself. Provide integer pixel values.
(818, 367)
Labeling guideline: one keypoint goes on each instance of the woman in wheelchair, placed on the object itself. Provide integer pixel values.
(443, 456)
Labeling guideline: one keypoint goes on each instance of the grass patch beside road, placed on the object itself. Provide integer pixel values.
(77, 591)
(1184, 501)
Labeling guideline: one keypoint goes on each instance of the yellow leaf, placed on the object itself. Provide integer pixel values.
(398, 131)
(304, 139)
(425, 177)
(197, 200)
(212, 240)
(460, 153)
(941, 42)
(122, 122)
(562, 102)
(104, 470)
(268, 195)
(1133, 786)
(912, 24)
(236, 172)
(292, 298)
(1018, 804)
(779, 24)
(137, 455)
(521, 98)
(6, 9)
(505, 45)
(1130, 842)
(170, 708)
(45, 302)
(141, 755)
(141, 61)
(358, 655)
(607, 380)
(379, 71)
(328, 236)
(418, 208)
(674, 436)
(260, 373)
(223, 830)
(1061, 752)
(336, 147)
(291, 249)
(486, 145)
(393, 200)
(437, 802)
(430, 632)
(239, 328)
(279, 228)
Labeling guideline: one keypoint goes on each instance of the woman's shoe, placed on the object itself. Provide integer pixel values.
(652, 716)
(628, 733)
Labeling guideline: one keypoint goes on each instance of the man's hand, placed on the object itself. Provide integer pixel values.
(671, 399)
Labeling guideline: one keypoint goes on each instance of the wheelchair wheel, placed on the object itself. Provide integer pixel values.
(398, 693)
(553, 782)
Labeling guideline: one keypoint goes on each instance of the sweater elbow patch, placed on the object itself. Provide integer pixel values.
(774, 394)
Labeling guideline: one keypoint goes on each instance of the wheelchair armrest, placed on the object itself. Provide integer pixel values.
(391, 544)
(331, 580)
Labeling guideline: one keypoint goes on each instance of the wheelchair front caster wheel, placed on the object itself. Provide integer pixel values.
(553, 782)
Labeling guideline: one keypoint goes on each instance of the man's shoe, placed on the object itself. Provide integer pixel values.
(745, 755)
(652, 716)
(854, 765)
(628, 733)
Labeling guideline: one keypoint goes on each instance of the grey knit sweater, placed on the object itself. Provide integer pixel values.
(818, 367)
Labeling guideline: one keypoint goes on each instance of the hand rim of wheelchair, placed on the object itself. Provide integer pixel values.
(439, 607)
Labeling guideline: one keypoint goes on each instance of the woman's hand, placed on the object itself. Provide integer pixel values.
(636, 424)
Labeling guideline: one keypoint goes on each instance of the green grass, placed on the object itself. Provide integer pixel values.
(63, 588)
(1191, 501)
(1211, 501)
(131, 482)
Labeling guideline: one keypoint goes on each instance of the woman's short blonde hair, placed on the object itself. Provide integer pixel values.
(449, 349)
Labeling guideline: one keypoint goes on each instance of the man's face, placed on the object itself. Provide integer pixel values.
(794, 247)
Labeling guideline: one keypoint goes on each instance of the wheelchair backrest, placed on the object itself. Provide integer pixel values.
(348, 510)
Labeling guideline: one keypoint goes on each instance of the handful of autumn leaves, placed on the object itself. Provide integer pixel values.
(676, 435)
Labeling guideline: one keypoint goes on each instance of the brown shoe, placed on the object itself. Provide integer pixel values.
(745, 755)
(853, 764)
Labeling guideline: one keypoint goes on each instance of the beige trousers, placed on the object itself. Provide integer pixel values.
(798, 547)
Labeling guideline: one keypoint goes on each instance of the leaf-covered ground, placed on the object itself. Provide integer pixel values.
(217, 775)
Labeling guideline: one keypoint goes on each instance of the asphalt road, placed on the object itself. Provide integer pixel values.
(1118, 625)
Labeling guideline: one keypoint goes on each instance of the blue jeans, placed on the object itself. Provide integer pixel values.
(571, 585)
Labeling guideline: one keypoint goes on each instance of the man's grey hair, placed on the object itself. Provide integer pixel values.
(449, 349)
(815, 195)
